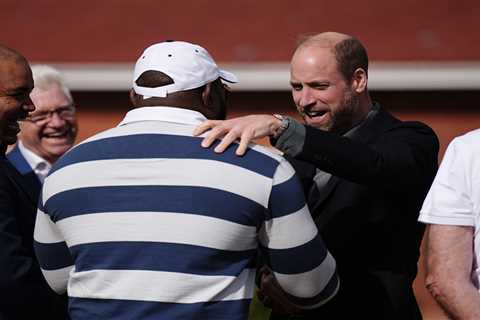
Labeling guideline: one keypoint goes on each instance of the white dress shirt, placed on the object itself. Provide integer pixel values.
(40, 166)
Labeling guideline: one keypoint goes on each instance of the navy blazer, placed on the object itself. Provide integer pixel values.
(367, 213)
(17, 159)
(25, 293)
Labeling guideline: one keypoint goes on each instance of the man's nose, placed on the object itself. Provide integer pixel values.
(306, 98)
(28, 105)
(55, 120)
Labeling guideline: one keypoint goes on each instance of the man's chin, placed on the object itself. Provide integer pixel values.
(8, 140)
(320, 126)
(57, 148)
(66, 141)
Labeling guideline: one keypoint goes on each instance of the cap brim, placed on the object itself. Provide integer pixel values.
(228, 76)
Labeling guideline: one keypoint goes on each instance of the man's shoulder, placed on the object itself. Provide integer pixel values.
(151, 141)
(271, 152)
(388, 123)
(468, 143)
(471, 138)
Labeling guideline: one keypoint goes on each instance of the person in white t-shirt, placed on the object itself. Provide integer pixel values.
(452, 210)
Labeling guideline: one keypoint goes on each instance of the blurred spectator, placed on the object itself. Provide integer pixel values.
(49, 131)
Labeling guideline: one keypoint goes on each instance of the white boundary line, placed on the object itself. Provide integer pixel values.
(275, 76)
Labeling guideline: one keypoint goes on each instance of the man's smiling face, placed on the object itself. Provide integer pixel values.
(16, 83)
(321, 94)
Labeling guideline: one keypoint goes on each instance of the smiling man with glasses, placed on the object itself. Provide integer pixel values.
(49, 131)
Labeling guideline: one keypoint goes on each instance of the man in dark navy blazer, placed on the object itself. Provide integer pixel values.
(49, 131)
(364, 171)
(25, 293)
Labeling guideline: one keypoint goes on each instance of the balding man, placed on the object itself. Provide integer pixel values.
(25, 293)
(365, 172)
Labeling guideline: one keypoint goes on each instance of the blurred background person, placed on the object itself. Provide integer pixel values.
(49, 131)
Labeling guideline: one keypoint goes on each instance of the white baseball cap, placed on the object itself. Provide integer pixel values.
(189, 65)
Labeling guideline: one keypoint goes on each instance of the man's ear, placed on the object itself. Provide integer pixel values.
(133, 97)
(359, 80)
(207, 94)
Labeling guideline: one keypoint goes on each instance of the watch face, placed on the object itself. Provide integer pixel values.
(284, 125)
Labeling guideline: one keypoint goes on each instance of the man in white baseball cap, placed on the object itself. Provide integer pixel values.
(188, 65)
(159, 227)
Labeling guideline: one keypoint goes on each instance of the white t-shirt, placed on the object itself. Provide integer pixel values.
(454, 198)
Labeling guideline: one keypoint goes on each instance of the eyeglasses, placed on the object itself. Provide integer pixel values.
(66, 113)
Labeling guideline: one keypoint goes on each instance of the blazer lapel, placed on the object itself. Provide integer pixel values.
(315, 204)
(373, 126)
(366, 133)
(17, 159)
(19, 181)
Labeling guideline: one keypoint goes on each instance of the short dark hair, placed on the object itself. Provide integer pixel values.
(7, 53)
(350, 55)
(153, 79)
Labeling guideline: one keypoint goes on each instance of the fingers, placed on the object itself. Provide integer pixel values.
(226, 141)
(273, 294)
(230, 130)
(206, 125)
(212, 135)
(245, 139)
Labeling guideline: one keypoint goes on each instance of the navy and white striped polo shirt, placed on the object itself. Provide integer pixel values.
(141, 222)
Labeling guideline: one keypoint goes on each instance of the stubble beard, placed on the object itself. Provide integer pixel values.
(343, 119)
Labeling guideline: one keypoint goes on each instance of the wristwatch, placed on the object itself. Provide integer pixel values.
(283, 126)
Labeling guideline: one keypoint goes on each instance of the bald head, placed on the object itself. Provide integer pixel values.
(9, 55)
(16, 83)
(323, 40)
(348, 51)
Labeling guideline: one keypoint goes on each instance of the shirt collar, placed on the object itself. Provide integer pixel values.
(33, 159)
(373, 111)
(168, 114)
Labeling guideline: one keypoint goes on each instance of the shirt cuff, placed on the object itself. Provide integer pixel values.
(291, 140)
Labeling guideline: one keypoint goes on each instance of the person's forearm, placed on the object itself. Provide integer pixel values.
(458, 300)
(449, 268)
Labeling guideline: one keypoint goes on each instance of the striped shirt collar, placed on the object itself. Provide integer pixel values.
(168, 114)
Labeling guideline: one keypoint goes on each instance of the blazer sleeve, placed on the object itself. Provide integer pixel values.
(21, 281)
(405, 155)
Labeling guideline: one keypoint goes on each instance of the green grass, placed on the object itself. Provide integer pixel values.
(257, 310)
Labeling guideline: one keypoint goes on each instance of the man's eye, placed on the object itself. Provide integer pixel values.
(321, 86)
(20, 96)
(296, 87)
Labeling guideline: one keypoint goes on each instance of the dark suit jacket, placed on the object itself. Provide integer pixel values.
(16, 158)
(367, 213)
(25, 293)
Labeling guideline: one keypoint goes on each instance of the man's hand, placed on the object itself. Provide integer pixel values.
(273, 296)
(246, 128)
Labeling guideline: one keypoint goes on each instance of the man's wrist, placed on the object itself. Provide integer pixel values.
(284, 123)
